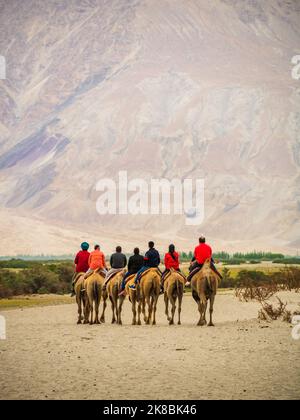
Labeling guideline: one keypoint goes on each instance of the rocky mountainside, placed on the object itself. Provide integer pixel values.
(159, 88)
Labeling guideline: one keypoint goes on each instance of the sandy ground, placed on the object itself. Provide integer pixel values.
(47, 356)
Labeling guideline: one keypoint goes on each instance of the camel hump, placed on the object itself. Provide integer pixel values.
(179, 275)
(88, 274)
(147, 271)
(206, 266)
(76, 277)
(173, 271)
(182, 276)
(131, 277)
(100, 272)
(113, 272)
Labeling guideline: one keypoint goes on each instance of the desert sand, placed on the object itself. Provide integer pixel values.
(47, 356)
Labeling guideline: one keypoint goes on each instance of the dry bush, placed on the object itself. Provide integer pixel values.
(287, 316)
(288, 279)
(270, 312)
(255, 285)
(261, 287)
(260, 293)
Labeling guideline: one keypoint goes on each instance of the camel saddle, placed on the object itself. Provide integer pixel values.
(130, 277)
(147, 271)
(174, 271)
(112, 274)
(97, 271)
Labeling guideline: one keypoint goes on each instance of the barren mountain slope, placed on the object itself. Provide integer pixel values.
(163, 88)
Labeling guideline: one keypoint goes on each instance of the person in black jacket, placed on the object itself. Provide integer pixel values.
(135, 263)
(151, 260)
(118, 260)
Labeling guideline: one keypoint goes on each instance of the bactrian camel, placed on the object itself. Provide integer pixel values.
(173, 289)
(94, 291)
(132, 296)
(80, 295)
(147, 294)
(204, 287)
(113, 289)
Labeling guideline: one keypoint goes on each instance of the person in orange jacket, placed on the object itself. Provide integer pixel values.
(96, 260)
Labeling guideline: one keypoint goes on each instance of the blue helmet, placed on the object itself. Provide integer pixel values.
(85, 246)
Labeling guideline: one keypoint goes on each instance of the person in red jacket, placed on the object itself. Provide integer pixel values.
(82, 259)
(81, 263)
(202, 253)
(171, 261)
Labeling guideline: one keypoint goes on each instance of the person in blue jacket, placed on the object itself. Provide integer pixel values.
(151, 260)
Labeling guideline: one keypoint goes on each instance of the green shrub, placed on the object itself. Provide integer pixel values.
(18, 263)
(42, 291)
(287, 261)
(234, 262)
(41, 279)
(227, 281)
(261, 286)
(254, 277)
(257, 255)
(11, 283)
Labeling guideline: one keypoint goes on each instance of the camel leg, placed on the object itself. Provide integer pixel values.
(149, 304)
(121, 300)
(86, 312)
(88, 308)
(179, 307)
(139, 311)
(115, 298)
(113, 320)
(167, 305)
(155, 299)
(79, 304)
(83, 300)
(91, 313)
(202, 309)
(173, 308)
(151, 300)
(96, 313)
(97, 304)
(133, 303)
(104, 296)
(211, 309)
(144, 308)
(200, 312)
